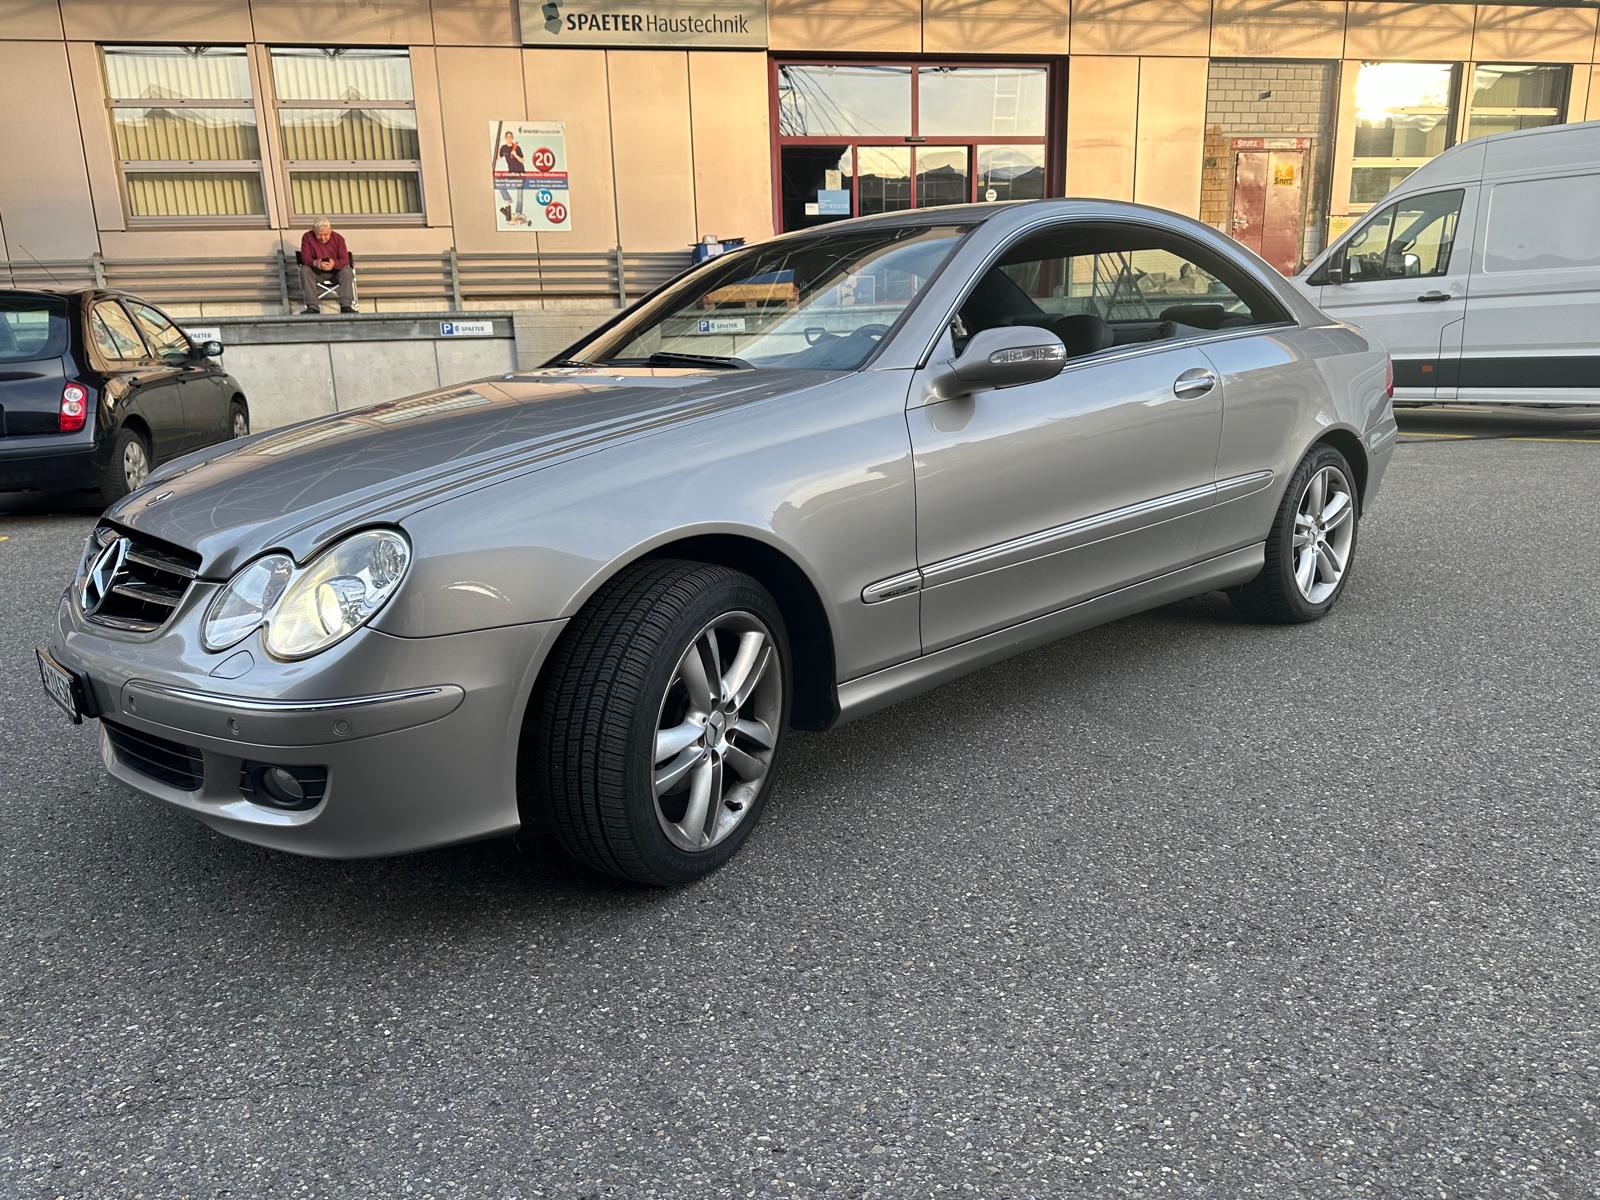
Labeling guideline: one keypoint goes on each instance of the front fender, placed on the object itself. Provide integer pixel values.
(824, 478)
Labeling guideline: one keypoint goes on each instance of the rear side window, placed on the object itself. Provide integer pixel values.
(32, 328)
(164, 337)
(1099, 287)
(113, 333)
(1544, 225)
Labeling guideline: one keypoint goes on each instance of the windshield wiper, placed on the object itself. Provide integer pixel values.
(570, 362)
(671, 358)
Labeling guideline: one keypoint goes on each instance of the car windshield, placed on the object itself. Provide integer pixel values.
(820, 302)
(31, 328)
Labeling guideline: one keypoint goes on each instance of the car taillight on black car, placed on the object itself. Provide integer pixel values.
(74, 407)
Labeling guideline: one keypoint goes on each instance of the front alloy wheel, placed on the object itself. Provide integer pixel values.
(656, 730)
(715, 732)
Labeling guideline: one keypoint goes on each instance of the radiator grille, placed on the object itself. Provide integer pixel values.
(134, 583)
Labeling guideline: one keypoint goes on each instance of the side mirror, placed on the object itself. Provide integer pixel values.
(211, 349)
(1001, 358)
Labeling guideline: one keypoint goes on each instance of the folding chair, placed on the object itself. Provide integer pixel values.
(328, 289)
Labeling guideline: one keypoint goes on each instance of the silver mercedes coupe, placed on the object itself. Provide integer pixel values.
(802, 481)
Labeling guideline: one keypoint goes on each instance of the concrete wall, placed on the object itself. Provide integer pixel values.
(293, 368)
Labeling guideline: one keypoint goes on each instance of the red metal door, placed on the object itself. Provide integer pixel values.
(1268, 208)
(1281, 231)
(1249, 198)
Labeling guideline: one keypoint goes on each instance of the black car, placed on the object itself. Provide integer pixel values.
(98, 387)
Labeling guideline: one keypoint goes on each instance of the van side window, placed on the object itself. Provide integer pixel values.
(1410, 239)
(1544, 225)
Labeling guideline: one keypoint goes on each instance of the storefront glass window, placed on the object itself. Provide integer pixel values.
(861, 138)
(1011, 172)
(853, 101)
(885, 178)
(942, 176)
(1509, 97)
(185, 130)
(981, 101)
(1403, 118)
(349, 129)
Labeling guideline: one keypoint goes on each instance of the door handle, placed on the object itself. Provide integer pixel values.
(1196, 381)
(1434, 297)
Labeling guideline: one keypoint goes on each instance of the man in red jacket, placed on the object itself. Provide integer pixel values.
(324, 256)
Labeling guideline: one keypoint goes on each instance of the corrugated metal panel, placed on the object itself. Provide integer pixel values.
(351, 192)
(194, 194)
(344, 134)
(185, 134)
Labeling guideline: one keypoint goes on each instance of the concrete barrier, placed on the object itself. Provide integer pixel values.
(292, 368)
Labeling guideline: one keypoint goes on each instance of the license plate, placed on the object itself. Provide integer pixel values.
(62, 686)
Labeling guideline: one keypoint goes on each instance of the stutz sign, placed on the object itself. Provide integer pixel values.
(678, 24)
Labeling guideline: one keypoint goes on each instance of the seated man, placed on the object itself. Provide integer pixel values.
(324, 256)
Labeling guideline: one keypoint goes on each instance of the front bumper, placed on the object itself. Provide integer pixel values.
(418, 736)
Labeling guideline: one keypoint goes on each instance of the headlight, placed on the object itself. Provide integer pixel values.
(306, 610)
(244, 604)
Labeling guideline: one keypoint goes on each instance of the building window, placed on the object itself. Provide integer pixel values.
(1507, 97)
(1403, 119)
(861, 138)
(349, 126)
(184, 125)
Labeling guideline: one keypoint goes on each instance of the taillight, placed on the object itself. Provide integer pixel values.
(74, 407)
(1388, 377)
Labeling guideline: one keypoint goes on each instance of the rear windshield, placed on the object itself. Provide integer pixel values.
(32, 327)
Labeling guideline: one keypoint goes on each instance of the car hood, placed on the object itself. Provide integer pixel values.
(297, 487)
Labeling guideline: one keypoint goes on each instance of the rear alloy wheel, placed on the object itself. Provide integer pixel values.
(1311, 546)
(652, 743)
(129, 466)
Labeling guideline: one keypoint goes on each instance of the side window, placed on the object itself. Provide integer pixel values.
(1411, 239)
(1101, 287)
(114, 335)
(164, 337)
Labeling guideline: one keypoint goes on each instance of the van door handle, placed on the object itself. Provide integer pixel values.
(1196, 381)
(1434, 297)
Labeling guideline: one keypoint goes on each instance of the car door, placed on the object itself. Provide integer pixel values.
(1402, 276)
(140, 385)
(205, 403)
(1035, 497)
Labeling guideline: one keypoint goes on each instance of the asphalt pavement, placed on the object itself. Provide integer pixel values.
(1181, 906)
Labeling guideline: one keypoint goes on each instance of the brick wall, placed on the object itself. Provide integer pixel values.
(1302, 103)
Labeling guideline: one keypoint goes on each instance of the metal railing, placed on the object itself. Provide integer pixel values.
(450, 279)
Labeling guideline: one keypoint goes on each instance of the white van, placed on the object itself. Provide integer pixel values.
(1481, 272)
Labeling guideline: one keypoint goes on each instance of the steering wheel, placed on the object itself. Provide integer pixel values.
(815, 333)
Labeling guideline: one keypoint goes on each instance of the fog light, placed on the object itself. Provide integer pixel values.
(282, 788)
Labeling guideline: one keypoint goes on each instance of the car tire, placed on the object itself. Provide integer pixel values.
(1286, 592)
(639, 761)
(238, 419)
(115, 481)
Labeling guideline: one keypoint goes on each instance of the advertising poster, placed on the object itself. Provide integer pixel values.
(530, 176)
